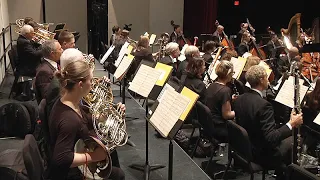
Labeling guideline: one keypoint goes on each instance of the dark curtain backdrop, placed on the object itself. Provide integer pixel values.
(199, 17)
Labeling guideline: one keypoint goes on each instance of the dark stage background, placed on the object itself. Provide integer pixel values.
(199, 16)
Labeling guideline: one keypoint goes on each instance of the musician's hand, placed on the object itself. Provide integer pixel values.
(234, 97)
(295, 119)
(105, 78)
(98, 154)
(122, 107)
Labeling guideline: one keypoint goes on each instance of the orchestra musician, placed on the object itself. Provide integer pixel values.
(244, 45)
(176, 34)
(172, 53)
(190, 53)
(219, 98)
(29, 55)
(209, 48)
(116, 31)
(52, 51)
(271, 147)
(66, 39)
(68, 122)
(218, 34)
(192, 77)
(251, 61)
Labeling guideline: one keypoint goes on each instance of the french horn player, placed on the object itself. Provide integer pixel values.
(69, 122)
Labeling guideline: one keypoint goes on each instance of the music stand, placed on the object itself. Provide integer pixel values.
(146, 168)
(167, 117)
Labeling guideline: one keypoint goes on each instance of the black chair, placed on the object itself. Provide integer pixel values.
(206, 123)
(43, 116)
(296, 172)
(32, 158)
(240, 150)
(13, 56)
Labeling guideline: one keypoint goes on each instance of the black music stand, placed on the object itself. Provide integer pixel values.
(146, 168)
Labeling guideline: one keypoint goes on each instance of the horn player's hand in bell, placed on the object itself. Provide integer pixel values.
(99, 154)
(122, 108)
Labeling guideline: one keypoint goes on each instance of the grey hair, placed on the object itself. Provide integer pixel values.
(48, 46)
(26, 29)
(254, 75)
(171, 47)
(191, 50)
(70, 55)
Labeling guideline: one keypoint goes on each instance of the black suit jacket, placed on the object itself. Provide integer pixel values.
(44, 76)
(29, 56)
(173, 37)
(168, 61)
(243, 48)
(216, 37)
(256, 115)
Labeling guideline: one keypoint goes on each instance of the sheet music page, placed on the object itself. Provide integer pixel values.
(144, 80)
(107, 54)
(317, 119)
(166, 86)
(286, 94)
(121, 53)
(168, 111)
(123, 66)
(238, 65)
(152, 39)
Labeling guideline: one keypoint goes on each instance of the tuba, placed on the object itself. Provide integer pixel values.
(109, 126)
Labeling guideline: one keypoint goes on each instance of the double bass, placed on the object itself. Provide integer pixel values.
(225, 41)
(256, 51)
(181, 40)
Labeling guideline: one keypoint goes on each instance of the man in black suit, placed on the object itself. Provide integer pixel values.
(218, 34)
(172, 53)
(271, 146)
(52, 51)
(29, 56)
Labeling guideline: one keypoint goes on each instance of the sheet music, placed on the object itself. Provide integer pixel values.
(166, 86)
(107, 54)
(152, 39)
(123, 66)
(238, 65)
(317, 119)
(144, 80)
(121, 53)
(168, 111)
(286, 93)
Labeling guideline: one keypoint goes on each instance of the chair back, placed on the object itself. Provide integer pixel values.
(13, 56)
(204, 118)
(32, 158)
(296, 172)
(239, 141)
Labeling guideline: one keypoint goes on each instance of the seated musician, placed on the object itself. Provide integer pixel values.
(219, 98)
(228, 55)
(218, 34)
(244, 27)
(52, 51)
(142, 53)
(209, 48)
(190, 53)
(116, 31)
(66, 40)
(68, 123)
(311, 109)
(251, 61)
(244, 44)
(271, 147)
(172, 53)
(29, 56)
(192, 78)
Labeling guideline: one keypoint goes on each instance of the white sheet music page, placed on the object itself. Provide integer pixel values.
(286, 94)
(123, 66)
(121, 53)
(107, 54)
(317, 119)
(169, 110)
(152, 39)
(144, 80)
(238, 66)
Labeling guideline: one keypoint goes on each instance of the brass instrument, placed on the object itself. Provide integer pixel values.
(41, 34)
(162, 42)
(108, 122)
(89, 58)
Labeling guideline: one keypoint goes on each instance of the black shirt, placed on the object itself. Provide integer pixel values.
(195, 84)
(217, 95)
(66, 128)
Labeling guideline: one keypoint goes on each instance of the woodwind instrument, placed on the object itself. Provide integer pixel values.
(207, 80)
(297, 143)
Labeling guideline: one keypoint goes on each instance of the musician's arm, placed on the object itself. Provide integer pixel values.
(227, 112)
